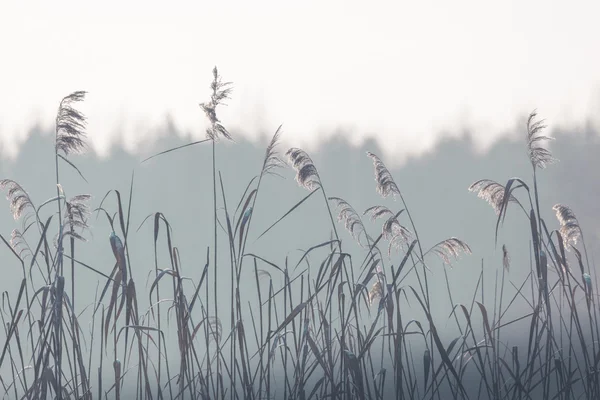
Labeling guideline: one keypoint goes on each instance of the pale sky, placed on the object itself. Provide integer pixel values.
(405, 72)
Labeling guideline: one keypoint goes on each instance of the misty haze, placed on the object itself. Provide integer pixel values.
(355, 336)
(365, 200)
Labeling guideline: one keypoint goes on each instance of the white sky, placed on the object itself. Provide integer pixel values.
(402, 71)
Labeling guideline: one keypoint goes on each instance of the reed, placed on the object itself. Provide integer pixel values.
(327, 324)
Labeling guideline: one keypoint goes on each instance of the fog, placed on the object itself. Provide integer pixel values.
(434, 185)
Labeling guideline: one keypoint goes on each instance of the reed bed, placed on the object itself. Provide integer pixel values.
(328, 324)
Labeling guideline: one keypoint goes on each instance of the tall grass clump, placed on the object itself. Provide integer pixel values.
(562, 352)
(337, 321)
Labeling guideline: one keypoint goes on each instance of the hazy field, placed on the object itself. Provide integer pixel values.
(201, 273)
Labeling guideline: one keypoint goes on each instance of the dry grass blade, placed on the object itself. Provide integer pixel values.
(89, 267)
(297, 310)
(371, 337)
(159, 276)
(450, 248)
(539, 156)
(492, 192)
(245, 218)
(197, 290)
(113, 300)
(287, 213)
(352, 221)
(246, 206)
(508, 189)
(17, 196)
(505, 258)
(403, 262)
(587, 285)
(383, 177)
(307, 175)
(119, 253)
(65, 159)
(16, 315)
(117, 368)
(70, 125)
(426, 366)
(443, 354)
(173, 149)
(486, 322)
(569, 225)
(356, 372)
(139, 328)
(318, 356)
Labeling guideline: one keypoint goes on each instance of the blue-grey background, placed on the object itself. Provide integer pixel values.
(434, 185)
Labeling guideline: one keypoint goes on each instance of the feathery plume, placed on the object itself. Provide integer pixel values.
(220, 92)
(70, 125)
(351, 219)
(77, 215)
(19, 244)
(569, 225)
(383, 177)
(451, 248)
(376, 292)
(376, 212)
(492, 192)
(393, 230)
(262, 273)
(395, 233)
(18, 198)
(216, 328)
(538, 155)
(272, 160)
(307, 175)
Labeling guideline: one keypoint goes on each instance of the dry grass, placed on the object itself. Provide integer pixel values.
(334, 329)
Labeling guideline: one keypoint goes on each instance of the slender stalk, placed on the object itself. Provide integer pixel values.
(214, 173)
(58, 271)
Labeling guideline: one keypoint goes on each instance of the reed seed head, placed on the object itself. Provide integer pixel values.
(70, 125)
(539, 155)
(307, 175)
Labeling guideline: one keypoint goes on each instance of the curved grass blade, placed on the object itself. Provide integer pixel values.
(440, 345)
(508, 189)
(72, 165)
(175, 148)
(289, 212)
